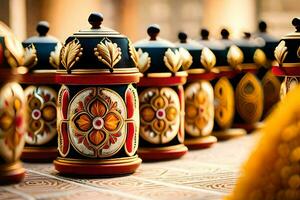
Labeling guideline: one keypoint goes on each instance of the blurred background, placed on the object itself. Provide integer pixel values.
(131, 17)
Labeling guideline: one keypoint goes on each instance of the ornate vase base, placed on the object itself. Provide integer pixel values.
(249, 127)
(229, 133)
(162, 153)
(39, 154)
(11, 173)
(89, 167)
(201, 142)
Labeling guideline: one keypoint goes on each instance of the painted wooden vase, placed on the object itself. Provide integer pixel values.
(249, 95)
(199, 94)
(287, 55)
(161, 97)
(229, 56)
(12, 107)
(41, 96)
(98, 106)
(270, 83)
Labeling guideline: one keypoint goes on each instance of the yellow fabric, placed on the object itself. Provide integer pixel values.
(272, 171)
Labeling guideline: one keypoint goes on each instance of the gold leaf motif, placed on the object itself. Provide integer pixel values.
(54, 58)
(235, 56)
(30, 57)
(186, 58)
(208, 58)
(14, 52)
(173, 60)
(133, 54)
(260, 57)
(280, 52)
(144, 61)
(108, 53)
(70, 54)
(298, 52)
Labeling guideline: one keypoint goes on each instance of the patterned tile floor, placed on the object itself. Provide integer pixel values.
(201, 174)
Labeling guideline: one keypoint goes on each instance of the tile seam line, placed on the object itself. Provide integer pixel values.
(88, 186)
(171, 185)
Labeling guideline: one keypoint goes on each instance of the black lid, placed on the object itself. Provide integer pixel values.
(287, 53)
(98, 50)
(158, 55)
(47, 49)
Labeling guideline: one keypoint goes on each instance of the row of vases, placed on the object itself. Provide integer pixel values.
(101, 100)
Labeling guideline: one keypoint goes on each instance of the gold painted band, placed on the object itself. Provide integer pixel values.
(97, 162)
(174, 147)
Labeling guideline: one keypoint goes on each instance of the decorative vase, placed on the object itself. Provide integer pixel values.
(161, 97)
(41, 97)
(98, 108)
(12, 107)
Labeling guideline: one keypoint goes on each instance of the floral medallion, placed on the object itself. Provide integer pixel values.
(199, 109)
(97, 122)
(41, 111)
(160, 115)
(12, 126)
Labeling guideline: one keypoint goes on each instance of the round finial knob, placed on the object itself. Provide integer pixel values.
(262, 26)
(247, 35)
(153, 30)
(182, 36)
(204, 34)
(42, 28)
(296, 23)
(95, 19)
(225, 34)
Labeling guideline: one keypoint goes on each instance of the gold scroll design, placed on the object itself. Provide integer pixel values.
(280, 52)
(70, 54)
(186, 57)
(249, 98)
(108, 53)
(54, 58)
(133, 53)
(199, 109)
(271, 87)
(172, 60)
(260, 58)
(224, 108)
(235, 57)
(298, 52)
(144, 60)
(208, 59)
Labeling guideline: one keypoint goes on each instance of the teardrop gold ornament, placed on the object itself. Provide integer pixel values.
(249, 98)
(224, 107)
(208, 59)
(235, 56)
(186, 57)
(173, 60)
(144, 60)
